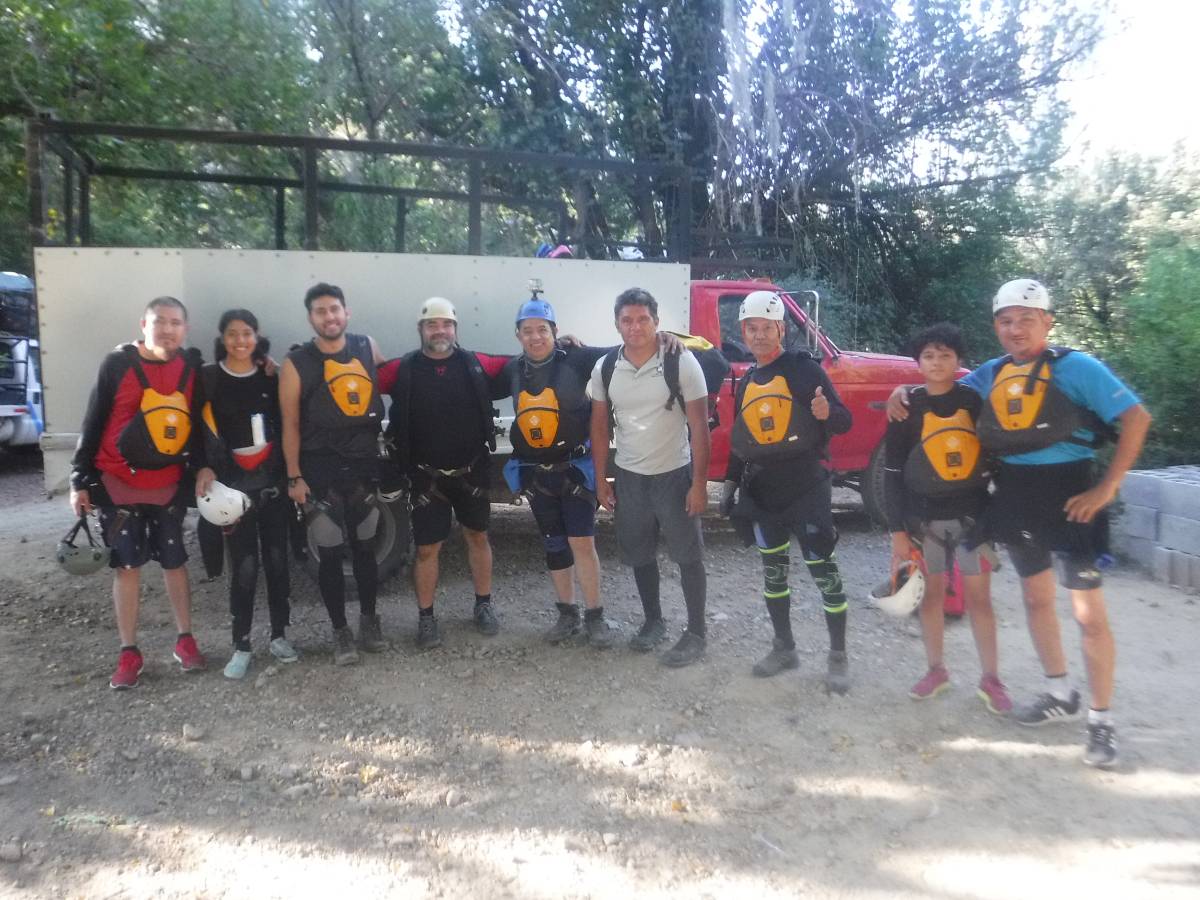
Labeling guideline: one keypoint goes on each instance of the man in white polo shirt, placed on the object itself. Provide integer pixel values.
(657, 408)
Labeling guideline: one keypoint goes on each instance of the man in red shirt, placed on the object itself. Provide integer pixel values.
(134, 444)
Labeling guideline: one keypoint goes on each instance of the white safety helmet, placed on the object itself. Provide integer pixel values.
(1021, 292)
(762, 305)
(223, 505)
(437, 308)
(630, 254)
(901, 595)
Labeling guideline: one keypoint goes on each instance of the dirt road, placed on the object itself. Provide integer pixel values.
(506, 768)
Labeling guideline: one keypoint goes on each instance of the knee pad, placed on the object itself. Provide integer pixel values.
(559, 559)
(818, 543)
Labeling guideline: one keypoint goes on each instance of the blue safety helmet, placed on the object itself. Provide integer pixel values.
(536, 309)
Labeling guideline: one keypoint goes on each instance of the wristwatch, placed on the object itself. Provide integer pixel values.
(292, 480)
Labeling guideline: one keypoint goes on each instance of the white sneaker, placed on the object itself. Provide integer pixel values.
(284, 651)
(238, 664)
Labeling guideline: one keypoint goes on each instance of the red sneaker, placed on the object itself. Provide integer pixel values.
(994, 695)
(129, 667)
(935, 681)
(188, 655)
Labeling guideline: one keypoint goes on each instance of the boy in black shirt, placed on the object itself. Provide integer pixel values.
(936, 485)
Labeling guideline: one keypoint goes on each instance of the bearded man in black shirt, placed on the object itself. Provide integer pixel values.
(441, 432)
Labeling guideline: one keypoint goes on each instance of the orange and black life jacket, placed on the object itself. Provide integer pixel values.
(158, 435)
(773, 423)
(551, 425)
(341, 412)
(1026, 411)
(949, 458)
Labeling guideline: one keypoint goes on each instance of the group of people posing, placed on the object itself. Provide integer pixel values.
(307, 435)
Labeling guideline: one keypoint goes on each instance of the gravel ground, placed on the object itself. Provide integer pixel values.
(504, 767)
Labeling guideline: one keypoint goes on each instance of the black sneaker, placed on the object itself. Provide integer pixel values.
(370, 634)
(1047, 709)
(837, 672)
(687, 650)
(485, 619)
(567, 625)
(649, 636)
(599, 633)
(428, 634)
(1101, 746)
(344, 653)
(781, 657)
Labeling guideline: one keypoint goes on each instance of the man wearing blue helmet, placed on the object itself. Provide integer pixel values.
(552, 462)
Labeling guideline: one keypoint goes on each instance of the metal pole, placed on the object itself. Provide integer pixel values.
(85, 209)
(475, 208)
(34, 148)
(401, 215)
(311, 240)
(69, 200)
(280, 220)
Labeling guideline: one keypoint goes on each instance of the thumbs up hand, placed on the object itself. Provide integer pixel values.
(820, 405)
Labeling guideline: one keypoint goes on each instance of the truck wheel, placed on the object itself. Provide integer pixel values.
(871, 487)
(393, 539)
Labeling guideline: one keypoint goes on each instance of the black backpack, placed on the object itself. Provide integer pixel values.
(713, 364)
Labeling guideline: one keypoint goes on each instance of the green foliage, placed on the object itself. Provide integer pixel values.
(1160, 350)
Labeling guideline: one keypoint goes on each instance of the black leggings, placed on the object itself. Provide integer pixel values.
(265, 525)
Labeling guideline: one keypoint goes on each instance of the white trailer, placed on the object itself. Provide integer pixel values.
(90, 299)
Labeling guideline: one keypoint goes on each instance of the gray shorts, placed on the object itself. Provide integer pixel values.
(940, 537)
(649, 504)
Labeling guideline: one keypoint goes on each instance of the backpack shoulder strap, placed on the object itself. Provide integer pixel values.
(671, 376)
(607, 366)
(192, 360)
(135, 363)
(606, 371)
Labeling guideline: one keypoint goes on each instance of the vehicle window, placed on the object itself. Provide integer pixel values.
(728, 306)
(7, 368)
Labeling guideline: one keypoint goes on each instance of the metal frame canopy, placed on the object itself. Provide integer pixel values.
(49, 136)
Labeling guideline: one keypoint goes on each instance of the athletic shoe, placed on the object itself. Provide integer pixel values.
(687, 650)
(129, 667)
(188, 655)
(283, 651)
(485, 618)
(370, 634)
(599, 633)
(1046, 709)
(837, 672)
(344, 652)
(1101, 746)
(781, 657)
(649, 636)
(428, 634)
(933, 683)
(565, 627)
(238, 665)
(994, 695)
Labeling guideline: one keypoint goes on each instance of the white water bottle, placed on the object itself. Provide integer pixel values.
(258, 434)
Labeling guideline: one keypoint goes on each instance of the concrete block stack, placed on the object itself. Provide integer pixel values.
(1158, 526)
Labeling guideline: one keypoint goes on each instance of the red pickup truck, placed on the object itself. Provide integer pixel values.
(863, 380)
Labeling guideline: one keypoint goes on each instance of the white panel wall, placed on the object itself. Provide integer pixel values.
(90, 300)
